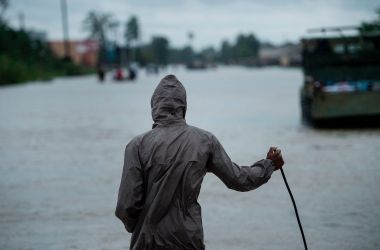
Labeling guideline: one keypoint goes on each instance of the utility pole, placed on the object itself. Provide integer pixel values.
(65, 28)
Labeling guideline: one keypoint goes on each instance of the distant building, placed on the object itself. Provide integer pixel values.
(285, 55)
(81, 52)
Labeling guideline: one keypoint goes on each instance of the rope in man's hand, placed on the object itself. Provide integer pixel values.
(275, 155)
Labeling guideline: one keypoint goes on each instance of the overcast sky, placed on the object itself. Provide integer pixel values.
(210, 20)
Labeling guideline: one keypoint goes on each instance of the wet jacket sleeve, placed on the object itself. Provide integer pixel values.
(131, 191)
(240, 178)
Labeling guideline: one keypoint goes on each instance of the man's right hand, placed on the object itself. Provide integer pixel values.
(274, 154)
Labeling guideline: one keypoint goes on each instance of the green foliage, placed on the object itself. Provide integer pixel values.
(225, 52)
(132, 34)
(13, 71)
(132, 31)
(157, 51)
(144, 55)
(246, 47)
(369, 27)
(208, 54)
(181, 55)
(23, 58)
(98, 25)
(160, 50)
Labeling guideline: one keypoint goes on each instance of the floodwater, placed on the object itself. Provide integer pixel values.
(61, 156)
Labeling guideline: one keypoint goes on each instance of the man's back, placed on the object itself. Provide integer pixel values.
(163, 172)
(173, 170)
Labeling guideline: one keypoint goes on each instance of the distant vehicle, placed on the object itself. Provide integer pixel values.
(341, 80)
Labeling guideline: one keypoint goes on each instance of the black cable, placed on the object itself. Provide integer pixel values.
(295, 208)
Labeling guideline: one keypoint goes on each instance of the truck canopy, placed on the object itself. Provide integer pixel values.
(342, 58)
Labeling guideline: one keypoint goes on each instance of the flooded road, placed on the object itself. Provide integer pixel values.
(61, 156)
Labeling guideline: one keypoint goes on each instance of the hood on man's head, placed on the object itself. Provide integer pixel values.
(169, 100)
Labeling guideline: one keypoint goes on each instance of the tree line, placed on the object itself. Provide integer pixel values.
(103, 27)
(26, 57)
(244, 49)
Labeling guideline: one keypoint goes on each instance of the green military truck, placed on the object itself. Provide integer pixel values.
(341, 80)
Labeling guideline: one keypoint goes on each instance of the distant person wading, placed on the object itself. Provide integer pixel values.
(163, 172)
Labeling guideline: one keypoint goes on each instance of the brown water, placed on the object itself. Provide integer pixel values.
(61, 155)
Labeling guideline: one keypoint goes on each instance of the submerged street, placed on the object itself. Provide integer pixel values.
(62, 148)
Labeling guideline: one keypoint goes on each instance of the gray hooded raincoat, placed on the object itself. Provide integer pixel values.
(163, 172)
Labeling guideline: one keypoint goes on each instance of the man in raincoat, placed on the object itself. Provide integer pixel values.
(163, 172)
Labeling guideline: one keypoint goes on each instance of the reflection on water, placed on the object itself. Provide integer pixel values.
(62, 146)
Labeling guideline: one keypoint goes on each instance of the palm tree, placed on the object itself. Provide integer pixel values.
(132, 34)
(98, 25)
